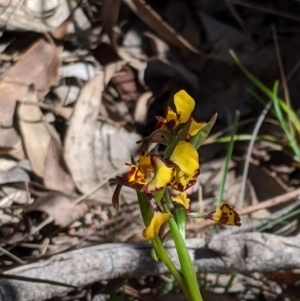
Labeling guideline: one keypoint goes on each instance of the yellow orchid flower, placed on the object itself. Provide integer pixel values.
(184, 105)
(158, 219)
(162, 175)
(182, 199)
(151, 173)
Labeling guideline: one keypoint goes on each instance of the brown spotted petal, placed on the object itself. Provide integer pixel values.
(181, 181)
(225, 215)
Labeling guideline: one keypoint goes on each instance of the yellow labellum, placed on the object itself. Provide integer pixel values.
(159, 218)
(162, 175)
(182, 199)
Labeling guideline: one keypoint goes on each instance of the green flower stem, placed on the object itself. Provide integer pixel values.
(186, 264)
(164, 256)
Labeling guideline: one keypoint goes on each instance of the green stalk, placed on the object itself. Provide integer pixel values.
(164, 256)
(185, 261)
(161, 252)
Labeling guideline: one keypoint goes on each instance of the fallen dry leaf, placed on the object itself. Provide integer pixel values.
(8, 138)
(56, 175)
(30, 15)
(93, 149)
(111, 69)
(80, 137)
(113, 148)
(37, 66)
(15, 175)
(141, 108)
(36, 133)
(10, 143)
(64, 112)
(60, 208)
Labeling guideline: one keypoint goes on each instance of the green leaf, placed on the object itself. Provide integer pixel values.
(145, 207)
(199, 138)
(268, 92)
(283, 122)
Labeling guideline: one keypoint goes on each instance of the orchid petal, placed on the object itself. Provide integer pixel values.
(185, 105)
(145, 163)
(162, 175)
(226, 215)
(135, 175)
(159, 218)
(171, 116)
(182, 199)
(195, 127)
(185, 157)
(181, 181)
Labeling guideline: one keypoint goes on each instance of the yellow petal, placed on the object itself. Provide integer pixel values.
(171, 115)
(185, 157)
(181, 181)
(195, 127)
(185, 105)
(182, 199)
(145, 163)
(162, 175)
(159, 218)
(225, 215)
(135, 175)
